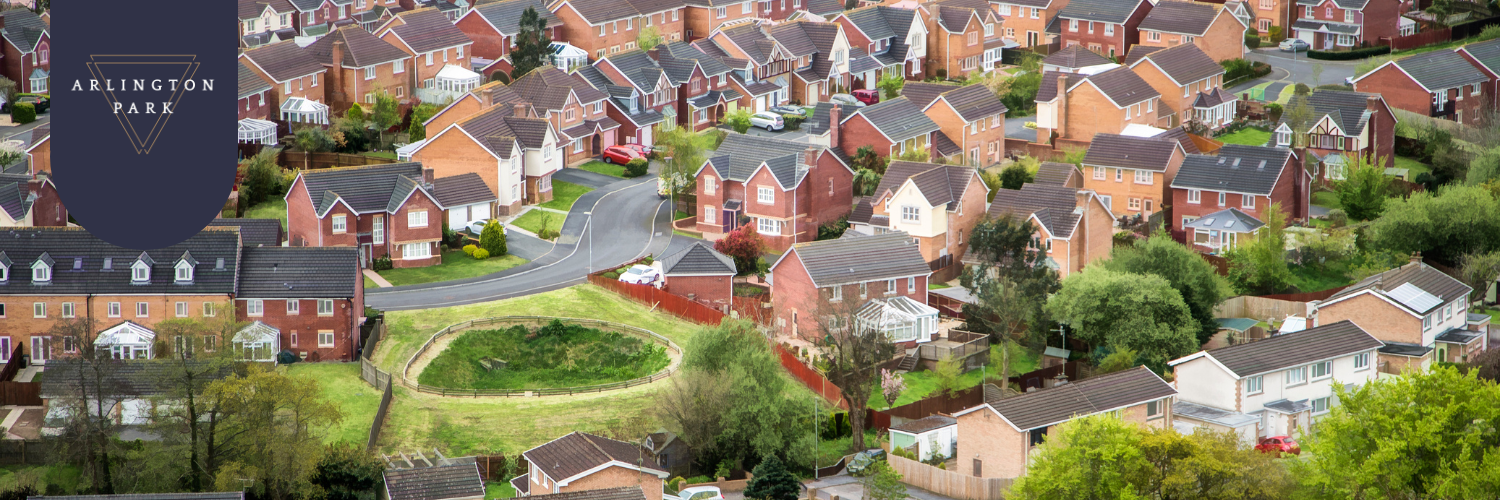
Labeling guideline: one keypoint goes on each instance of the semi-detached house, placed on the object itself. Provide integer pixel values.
(294, 75)
(1190, 82)
(360, 66)
(1106, 27)
(514, 152)
(575, 109)
(1486, 57)
(259, 18)
(1439, 84)
(893, 40)
(1213, 28)
(822, 281)
(1132, 174)
(1416, 310)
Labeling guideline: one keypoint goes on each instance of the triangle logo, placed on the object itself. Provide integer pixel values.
(121, 77)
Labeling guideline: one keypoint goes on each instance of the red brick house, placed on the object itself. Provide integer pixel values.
(261, 17)
(836, 277)
(1075, 59)
(28, 200)
(383, 210)
(28, 50)
(360, 66)
(294, 76)
(1075, 107)
(797, 188)
(313, 298)
(582, 462)
(1212, 27)
(1440, 84)
(1248, 178)
(1190, 82)
(37, 144)
(604, 27)
(894, 127)
(700, 273)
(963, 36)
(1106, 27)
(1075, 227)
(761, 63)
(1419, 313)
(319, 17)
(972, 117)
(893, 40)
(1486, 57)
(505, 144)
(1343, 123)
(1025, 21)
(827, 54)
(937, 205)
(574, 108)
(1132, 174)
(689, 90)
(494, 26)
(1337, 24)
(255, 125)
(440, 54)
(704, 17)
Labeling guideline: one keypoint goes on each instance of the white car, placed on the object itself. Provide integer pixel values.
(767, 121)
(846, 99)
(641, 274)
(477, 227)
(701, 493)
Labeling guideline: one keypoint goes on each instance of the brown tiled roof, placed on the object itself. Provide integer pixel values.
(284, 61)
(940, 184)
(361, 48)
(435, 483)
(1174, 16)
(1053, 205)
(1075, 57)
(1123, 151)
(1182, 137)
(923, 93)
(1184, 63)
(1120, 85)
(251, 9)
(498, 127)
(426, 30)
(620, 493)
(462, 189)
(1139, 52)
(1056, 174)
(576, 453)
(856, 260)
(974, 102)
(1075, 399)
(1297, 348)
(547, 88)
(1419, 275)
(600, 11)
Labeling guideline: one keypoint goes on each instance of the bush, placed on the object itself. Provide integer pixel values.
(614, 276)
(23, 113)
(637, 167)
(1274, 110)
(793, 120)
(548, 234)
(739, 120)
(1490, 32)
(480, 254)
(1338, 217)
(648, 260)
(492, 238)
(1348, 55)
(382, 263)
(699, 480)
(1333, 86)
(469, 250)
(1252, 41)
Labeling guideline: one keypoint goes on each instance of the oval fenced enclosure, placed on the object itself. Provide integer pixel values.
(379, 379)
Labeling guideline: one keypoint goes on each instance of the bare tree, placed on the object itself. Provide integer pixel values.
(693, 408)
(93, 391)
(201, 352)
(854, 351)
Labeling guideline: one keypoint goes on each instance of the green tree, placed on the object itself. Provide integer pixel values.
(1447, 224)
(419, 116)
(1485, 166)
(948, 373)
(386, 114)
(492, 238)
(182, 417)
(276, 423)
(1365, 187)
(347, 473)
(884, 483)
(865, 158)
(1097, 458)
(1260, 265)
(865, 182)
(1298, 115)
(1198, 282)
(1419, 435)
(1011, 283)
(88, 436)
(1479, 271)
(356, 112)
(852, 350)
(648, 37)
(1141, 312)
(532, 44)
(915, 154)
(739, 120)
(262, 176)
(1015, 176)
(772, 481)
(1120, 360)
(1020, 95)
(312, 139)
(684, 153)
(890, 85)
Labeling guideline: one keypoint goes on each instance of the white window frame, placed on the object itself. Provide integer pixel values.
(340, 224)
(325, 307)
(1223, 198)
(836, 293)
(255, 308)
(1247, 201)
(1255, 385)
(369, 72)
(1295, 376)
(1325, 402)
(765, 195)
(416, 218)
(416, 251)
(142, 309)
(67, 310)
(910, 214)
(113, 309)
(377, 229)
(708, 214)
(767, 226)
(1362, 361)
(1326, 366)
(208, 310)
(325, 338)
(1099, 173)
(890, 286)
(293, 307)
(1194, 196)
(39, 310)
(181, 309)
(1144, 177)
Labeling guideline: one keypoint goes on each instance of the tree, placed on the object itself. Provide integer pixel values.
(419, 116)
(492, 238)
(1479, 271)
(865, 182)
(312, 139)
(1015, 176)
(1436, 432)
(1260, 265)
(1011, 283)
(915, 154)
(683, 155)
(276, 423)
(1198, 282)
(649, 37)
(262, 176)
(739, 120)
(355, 112)
(386, 114)
(891, 386)
(948, 372)
(1141, 312)
(884, 483)
(853, 350)
(1364, 189)
(201, 353)
(8, 89)
(744, 245)
(1120, 360)
(532, 44)
(1094, 457)
(1317, 74)
(1485, 365)
(890, 84)
(1020, 95)
(1445, 225)
(1484, 167)
(347, 473)
(772, 481)
(92, 390)
(865, 158)
(1298, 115)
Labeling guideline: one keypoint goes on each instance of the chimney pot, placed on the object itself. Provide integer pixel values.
(809, 156)
(1372, 103)
(1416, 257)
(520, 110)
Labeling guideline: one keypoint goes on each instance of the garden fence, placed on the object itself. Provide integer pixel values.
(658, 299)
(949, 483)
(810, 378)
(299, 160)
(493, 467)
(1260, 308)
(14, 366)
(939, 403)
(379, 423)
(1039, 378)
(1418, 40)
(27, 452)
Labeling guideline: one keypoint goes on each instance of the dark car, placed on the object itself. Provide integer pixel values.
(786, 110)
(39, 101)
(862, 460)
(867, 96)
(619, 155)
(1278, 445)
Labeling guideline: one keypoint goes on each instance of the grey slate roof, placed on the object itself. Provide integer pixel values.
(1184, 409)
(254, 232)
(862, 212)
(1213, 98)
(740, 155)
(1441, 69)
(578, 452)
(1289, 407)
(15, 197)
(1056, 174)
(939, 184)
(435, 483)
(1120, 85)
(1109, 11)
(1349, 109)
(1417, 274)
(794, 38)
(1182, 137)
(1055, 206)
(1237, 168)
(1459, 336)
(620, 493)
(371, 188)
(300, 272)
(1053, 406)
(361, 49)
(1295, 349)
(498, 129)
(506, 16)
(697, 259)
(974, 102)
(547, 88)
(23, 29)
(601, 11)
(1075, 57)
(251, 9)
(427, 30)
(249, 82)
(857, 260)
(925, 424)
(1123, 151)
(819, 122)
(1184, 63)
(899, 119)
(79, 258)
(680, 50)
(284, 61)
(825, 8)
(126, 380)
(1487, 53)
(880, 22)
(1174, 16)
(1230, 219)
(462, 189)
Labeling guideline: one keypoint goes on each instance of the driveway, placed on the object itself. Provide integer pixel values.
(584, 178)
(848, 487)
(1015, 128)
(798, 135)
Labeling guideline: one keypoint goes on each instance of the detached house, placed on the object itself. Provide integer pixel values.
(972, 117)
(581, 462)
(384, 210)
(1136, 172)
(294, 75)
(798, 187)
(1331, 24)
(481, 98)
(493, 28)
(311, 300)
(604, 27)
(1246, 178)
(964, 36)
(1025, 21)
(1190, 82)
(574, 108)
(705, 85)
(28, 200)
(893, 127)
(651, 87)
(1272, 387)
(937, 205)
(1106, 27)
(1267, 14)
(1074, 107)
(27, 51)
(361, 67)
(826, 51)
(440, 52)
(997, 438)
(1344, 125)
(1212, 27)
(1440, 84)
(514, 152)
(892, 40)
(261, 17)
(1076, 59)
(1074, 226)
(254, 113)
(812, 281)
(1415, 310)
(1486, 57)
(762, 64)
(705, 17)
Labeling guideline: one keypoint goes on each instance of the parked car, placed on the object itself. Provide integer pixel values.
(477, 227)
(1349, 80)
(701, 493)
(1279, 445)
(845, 99)
(768, 121)
(640, 274)
(639, 149)
(863, 459)
(1294, 45)
(867, 96)
(787, 110)
(620, 155)
(39, 101)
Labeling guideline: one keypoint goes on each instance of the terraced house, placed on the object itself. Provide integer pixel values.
(704, 17)
(797, 187)
(493, 28)
(1190, 82)
(892, 40)
(514, 151)
(604, 27)
(1344, 125)
(1416, 310)
(1106, 27)
(650, 88)
(1439, 84)
(440, 65)
(1071, 108)
(574, 108)
(360, 67)
(1212, 27)
(972, 117)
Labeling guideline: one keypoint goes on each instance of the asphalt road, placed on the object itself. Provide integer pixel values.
(1297, 68)
(628, 220)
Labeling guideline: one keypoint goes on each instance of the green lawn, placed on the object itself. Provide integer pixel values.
(389, 155)
(1327, 199)
(748, 291)
(369, 283)
(922, 384)
(564, 194)
(356, 399)
(937, 286)
(1493, 313)
(831, 450)
(600, 167)
(535, 357)
(1249, 136)
(679, 215)
(532, 220)
(66, 477)
(274, 208)
(1414, 167)
(456, 265)
(501, 489)
(1309, 279)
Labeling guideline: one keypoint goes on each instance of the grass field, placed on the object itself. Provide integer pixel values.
(341, 384)
(1249, 136)
(274, 208)
(67, 477)
(1326, 199)
(389, 155)
(921, 384)
(557, 355)
(456, 265)
(937, 286)
(499, 490)
(1308, 279)
(600, 167)
(532, 220)
(564, 194)
(1414, 166)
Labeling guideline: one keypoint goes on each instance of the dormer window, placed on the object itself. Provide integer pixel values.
(1283, 136)
(5, 264)
(140, 272)
(184, 272)
(41, 272)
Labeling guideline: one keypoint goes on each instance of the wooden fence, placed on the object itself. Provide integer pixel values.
(1260, 308)
(299, 160)
(14, 366)
(1221, 264)
(493, 467)
(27, 452)
(757, 309)
(21, 393)
(812, 379)
(926, 407)
(1418, 40)
(1040, 378)
(949, 483)
(379, 423)
(1306, 297)
(658, 299)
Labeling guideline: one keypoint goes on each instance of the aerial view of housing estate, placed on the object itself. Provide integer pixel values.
(786, 250)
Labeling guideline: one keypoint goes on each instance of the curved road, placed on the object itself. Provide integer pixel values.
(628, 221)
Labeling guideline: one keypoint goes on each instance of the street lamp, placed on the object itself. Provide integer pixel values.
(590, 235)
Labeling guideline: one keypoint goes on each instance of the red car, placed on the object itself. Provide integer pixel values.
(620, 155)
(867, 96)
(639, 149)
(1279, 445)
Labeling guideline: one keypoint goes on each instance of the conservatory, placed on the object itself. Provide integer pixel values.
(297, 109)
(126, 340)
(901, 318)
(257, 131)
(258, 342)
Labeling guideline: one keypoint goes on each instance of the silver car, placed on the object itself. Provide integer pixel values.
(477, 227)
(846, 99)
(767, 121)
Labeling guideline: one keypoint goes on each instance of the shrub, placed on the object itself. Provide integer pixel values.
(356, 112)
(382, 263)
(614, 276)
(469, 249)
(1490, 32)
(1252, 41)
(739, 120)
(1348, 55)
(648, 260)
(548, 234)
(492, 239)
(22, 113)
(480, 254)
(637, 167)
(793, 121)
(1333, 86)
(942, 74)
(1338, 217)
(1274, 110)
(699, 480)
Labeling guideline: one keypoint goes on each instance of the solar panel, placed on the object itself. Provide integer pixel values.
(1415, 298)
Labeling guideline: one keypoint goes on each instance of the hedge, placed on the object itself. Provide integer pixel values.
(1347, 55)
(22, 113)
(793, 121)
(1252, 41)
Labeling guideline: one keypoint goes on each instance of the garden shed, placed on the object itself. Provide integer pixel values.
(934, 435)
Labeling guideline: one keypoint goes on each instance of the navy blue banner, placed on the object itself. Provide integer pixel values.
(142, 107)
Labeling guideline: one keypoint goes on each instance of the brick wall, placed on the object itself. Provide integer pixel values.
(303, 224)
(1089, 112)
(400, 233)
(1401, 92)
(793, 295)
(614, 477)
(1379, 318)
(713, 199)
(357, 89)
(21, 323)
(698, 22)
(713, 290)
(1019, 26)
(1091, 35)
(453, 153)
(256, 106)
(1124, 189)
(961, 223)
(1225, 39)
(454, 113)
(306, 324)
(984, 437)
(857, 132)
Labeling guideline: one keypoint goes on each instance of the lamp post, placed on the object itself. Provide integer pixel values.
(590, 235)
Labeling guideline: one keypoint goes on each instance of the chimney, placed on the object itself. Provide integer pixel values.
(810, 156)
(427, 176)
(654, 53)
(1416, 257)
(335, 78)
(1081, 199)
(520, 110)
(2, 22)
(1062, 107)
(833, 125)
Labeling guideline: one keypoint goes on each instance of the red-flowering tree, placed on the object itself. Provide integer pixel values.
(745, 246)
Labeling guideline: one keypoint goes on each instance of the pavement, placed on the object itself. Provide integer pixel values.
(798, 135)
(1289, 69)
(848, 487)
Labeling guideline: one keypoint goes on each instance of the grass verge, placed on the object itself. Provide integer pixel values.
(532, 221)
(600, 167)
(564, 194)
(1327, 199)
(456, 265)
(369, 283)
(274, 208)
(1413, 166)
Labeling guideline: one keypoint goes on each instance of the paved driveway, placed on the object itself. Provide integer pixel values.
(1015, 128)
(848, 487)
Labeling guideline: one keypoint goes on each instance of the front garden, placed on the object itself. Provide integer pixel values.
(564, 194)
(456, 265)
(537, 221)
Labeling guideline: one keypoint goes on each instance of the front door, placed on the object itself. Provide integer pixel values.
(1327, 41)
(366, 254)
(1031, 39)
(41, 349)
(595, 149)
